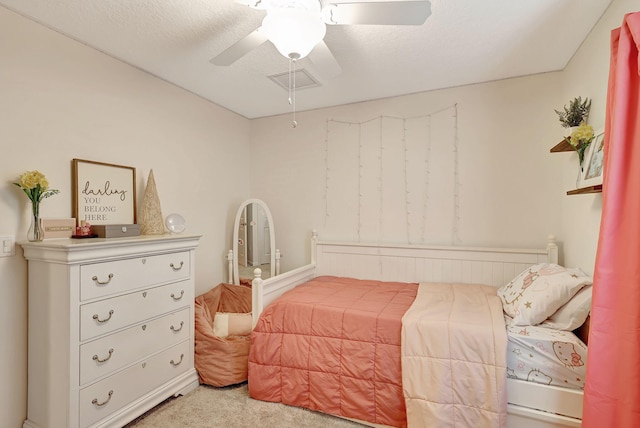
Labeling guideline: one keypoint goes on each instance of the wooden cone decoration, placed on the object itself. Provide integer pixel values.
(151, 215)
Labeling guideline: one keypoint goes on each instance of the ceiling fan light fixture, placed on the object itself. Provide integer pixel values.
(293, 31)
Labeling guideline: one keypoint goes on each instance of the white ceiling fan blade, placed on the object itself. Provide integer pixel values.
(412, 12)
(324, 61)
(240, 48)
(255, 4)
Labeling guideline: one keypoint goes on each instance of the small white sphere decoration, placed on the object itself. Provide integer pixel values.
(175, 223)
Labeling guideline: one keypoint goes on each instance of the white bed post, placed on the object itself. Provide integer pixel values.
(314, 241)
(230, 266)
(552, 249)
(278, 255)
(257, 293)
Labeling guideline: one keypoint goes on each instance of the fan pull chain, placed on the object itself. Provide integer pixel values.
(292, 89)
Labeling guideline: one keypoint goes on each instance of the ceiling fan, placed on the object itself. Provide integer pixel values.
(297, 27)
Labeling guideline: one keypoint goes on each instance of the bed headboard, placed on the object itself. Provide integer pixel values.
(415, 263)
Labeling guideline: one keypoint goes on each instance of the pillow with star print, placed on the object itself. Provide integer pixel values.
(573, 313)
(539, 291)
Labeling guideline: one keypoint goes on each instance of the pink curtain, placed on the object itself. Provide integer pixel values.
(612, 389)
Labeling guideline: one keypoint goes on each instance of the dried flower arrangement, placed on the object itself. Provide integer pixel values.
(575, 114)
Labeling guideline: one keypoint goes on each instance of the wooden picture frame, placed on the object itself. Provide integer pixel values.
(593, 162)
(103, 193)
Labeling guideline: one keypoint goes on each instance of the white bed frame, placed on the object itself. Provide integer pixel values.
(531, 405)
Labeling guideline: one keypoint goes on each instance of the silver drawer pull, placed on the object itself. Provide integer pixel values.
(95, 400)
(98, 282)
(97, 318)
(176, 268)
(179, 362)
(97, 359)
(175, 330)
(173, 296)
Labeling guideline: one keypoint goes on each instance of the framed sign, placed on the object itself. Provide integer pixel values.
(103, 193)
(593, 162)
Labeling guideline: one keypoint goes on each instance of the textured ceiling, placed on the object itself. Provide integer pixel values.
(462, 42)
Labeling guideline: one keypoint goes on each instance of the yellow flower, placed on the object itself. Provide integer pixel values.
(31, 179)
(36, 186)
(583, 134)
(580, 139)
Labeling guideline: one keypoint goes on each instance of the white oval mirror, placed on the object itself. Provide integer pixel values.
(253, 239)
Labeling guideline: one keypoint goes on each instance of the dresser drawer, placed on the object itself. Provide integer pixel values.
(110, 353)
(107, 315)
(103, 279)
(101, 399)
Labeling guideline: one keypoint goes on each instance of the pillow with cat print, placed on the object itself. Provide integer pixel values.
(539, 291)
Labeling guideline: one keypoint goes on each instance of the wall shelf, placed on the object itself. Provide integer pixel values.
(564, 146)
(589, 189)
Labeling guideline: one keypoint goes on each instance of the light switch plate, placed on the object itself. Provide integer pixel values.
(7, 245)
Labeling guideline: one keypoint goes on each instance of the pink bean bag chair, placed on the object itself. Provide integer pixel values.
(222, 334)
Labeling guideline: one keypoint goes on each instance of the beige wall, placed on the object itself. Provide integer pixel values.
(587, 75)
(510, 188)
(61, 100)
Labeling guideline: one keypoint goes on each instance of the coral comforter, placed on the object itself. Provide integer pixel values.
(348, 347)
(333, 345)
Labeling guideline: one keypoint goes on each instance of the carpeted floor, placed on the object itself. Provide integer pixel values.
(231, 407)
(247, 271)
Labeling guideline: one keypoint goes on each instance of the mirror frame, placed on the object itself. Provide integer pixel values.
(272, 237)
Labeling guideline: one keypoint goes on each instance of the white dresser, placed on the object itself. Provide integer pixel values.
(110, 328)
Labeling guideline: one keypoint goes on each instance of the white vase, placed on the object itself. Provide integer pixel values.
(581, 166)
(570, 130)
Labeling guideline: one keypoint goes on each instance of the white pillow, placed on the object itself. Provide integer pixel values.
(539, 291)
(231, 324)
(573, 314)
